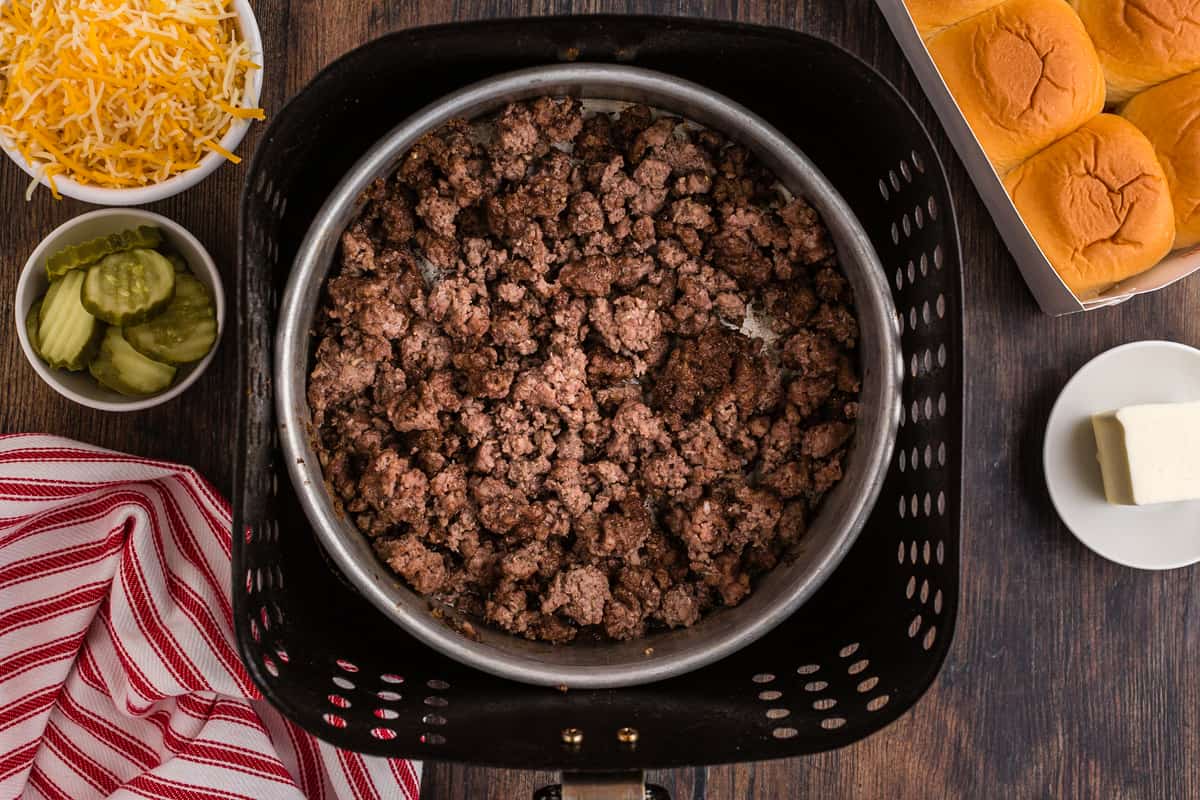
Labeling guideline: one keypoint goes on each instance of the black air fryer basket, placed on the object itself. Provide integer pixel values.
(849, 662)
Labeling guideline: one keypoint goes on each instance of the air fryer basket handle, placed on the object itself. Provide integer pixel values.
(603, 786)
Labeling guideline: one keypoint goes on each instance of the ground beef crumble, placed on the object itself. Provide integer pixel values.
(533, 386)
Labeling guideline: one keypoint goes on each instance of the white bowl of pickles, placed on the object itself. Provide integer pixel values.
(120, 309)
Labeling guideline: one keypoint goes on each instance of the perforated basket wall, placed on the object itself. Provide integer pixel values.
(854, 658)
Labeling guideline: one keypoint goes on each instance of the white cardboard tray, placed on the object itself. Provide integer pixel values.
(1048, 289)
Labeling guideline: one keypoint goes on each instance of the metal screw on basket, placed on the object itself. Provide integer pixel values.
(572, 736)
(628, 736)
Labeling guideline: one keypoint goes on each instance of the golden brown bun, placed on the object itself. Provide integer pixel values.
(1098, 204)
(1169, 115)
(1024, 74)
(1142, 42)
(931, 16)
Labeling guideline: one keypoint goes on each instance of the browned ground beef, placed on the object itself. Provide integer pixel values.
(565, 428)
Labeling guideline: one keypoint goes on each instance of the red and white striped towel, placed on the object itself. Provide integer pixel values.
(118, 673)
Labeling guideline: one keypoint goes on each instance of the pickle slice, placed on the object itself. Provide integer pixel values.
(82, 255)
(177, 261)
(184, 332)
(67, 333)
(32, 323)
(123, 369)
(47, 300)
(126, 288)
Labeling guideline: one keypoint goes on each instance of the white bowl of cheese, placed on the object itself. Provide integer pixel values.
(163, 101)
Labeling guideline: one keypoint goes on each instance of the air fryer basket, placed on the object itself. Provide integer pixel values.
(850, 661)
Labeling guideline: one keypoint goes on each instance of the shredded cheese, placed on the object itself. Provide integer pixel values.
(120, 93)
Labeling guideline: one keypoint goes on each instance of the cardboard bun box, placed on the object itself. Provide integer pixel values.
(1081, 134)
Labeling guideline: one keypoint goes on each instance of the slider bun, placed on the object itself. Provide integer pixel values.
(1024, 74)
(1097, 203)
(930, 16)
(1169, 115)
(1142, 42)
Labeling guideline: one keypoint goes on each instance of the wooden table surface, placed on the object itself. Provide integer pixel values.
(1069, 676)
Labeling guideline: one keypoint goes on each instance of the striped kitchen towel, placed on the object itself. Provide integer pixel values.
(119, 677)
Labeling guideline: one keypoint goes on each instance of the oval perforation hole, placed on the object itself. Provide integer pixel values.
(849, 650)
(941, 552)
(883, 190)
(784, 733)
(919, 217)
(876, 703)
(816, 686)
(858, 666)
(868, 684)
(343, 683)
(937, 602)
(436, 702)
(763, 677)
(895, 233)
(433, 719)
(895, 181)
(777, 713)
(917, 161)
(914, 627)
(770, 694)
(930, 637)
(905, 171)
(808, 669)
(386, 713)
(911, 588)
(906, 225)
(833, 723)
(432, 738)
(437, 685)
(389, 697)
(383, 734)
(824, 704)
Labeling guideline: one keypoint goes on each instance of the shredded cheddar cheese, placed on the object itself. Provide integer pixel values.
(120, 93)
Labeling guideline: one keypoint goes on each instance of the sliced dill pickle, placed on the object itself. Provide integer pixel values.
(47, 299)
(67, 333)
(126, 288)
(123, 369)
(32, 323)
(177, 261)
(81, 255)
(184, 332)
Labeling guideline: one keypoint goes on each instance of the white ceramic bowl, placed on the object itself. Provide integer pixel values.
(80, 386)
(144, 195)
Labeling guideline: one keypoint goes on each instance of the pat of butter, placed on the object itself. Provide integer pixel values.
(1149, 454)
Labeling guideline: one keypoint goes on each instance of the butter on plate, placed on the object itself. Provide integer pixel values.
(1150, 453)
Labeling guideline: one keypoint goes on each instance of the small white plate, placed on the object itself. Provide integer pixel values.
(1162, 536)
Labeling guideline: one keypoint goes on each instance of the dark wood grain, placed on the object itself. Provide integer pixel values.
(1069, 676)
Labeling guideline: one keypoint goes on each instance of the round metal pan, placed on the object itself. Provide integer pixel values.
(597, 664)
